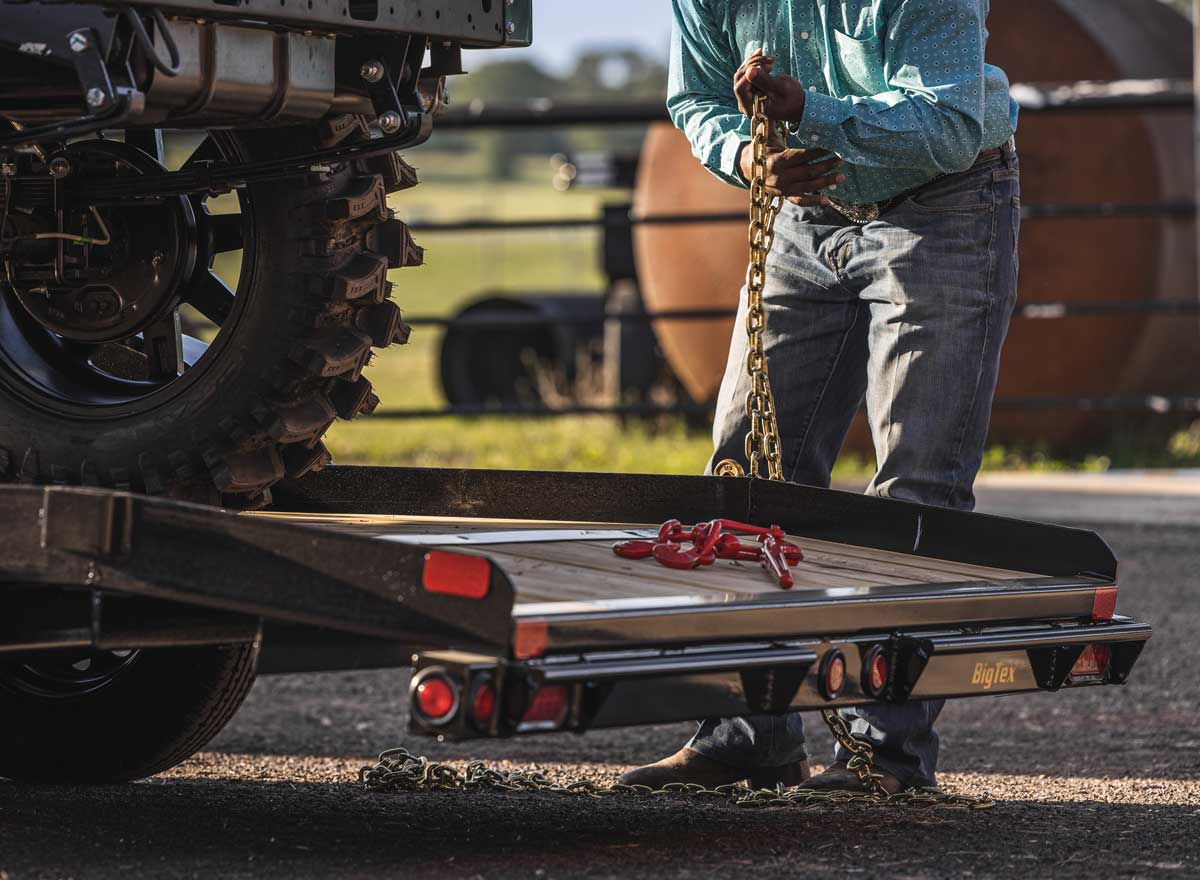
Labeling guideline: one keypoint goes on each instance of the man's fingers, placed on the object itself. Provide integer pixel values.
(805, 186)
(767, 61)
(807, 172)
(761, 78)
(790, 161)
(756, 56)
(743, 88)
(745, 94)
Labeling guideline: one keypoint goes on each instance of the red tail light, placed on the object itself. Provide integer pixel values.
(435, 698)
(548, 708)
(1093, 661)
(832, 674)
(874, 672)
(483, 704)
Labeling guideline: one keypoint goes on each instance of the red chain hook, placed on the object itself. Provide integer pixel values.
(718, 539)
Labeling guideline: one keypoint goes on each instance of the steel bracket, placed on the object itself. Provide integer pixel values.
(1052, 665)
(771, 691)
(98, 525)
(1124, 655)
(91, 70)
(907, 659)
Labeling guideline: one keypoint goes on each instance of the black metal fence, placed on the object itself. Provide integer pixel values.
(1087, 97)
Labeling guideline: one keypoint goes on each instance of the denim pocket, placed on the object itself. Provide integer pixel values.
(966, 191)
(859, 63)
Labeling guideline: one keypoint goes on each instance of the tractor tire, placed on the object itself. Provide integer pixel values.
(312, 302)
(138, 715)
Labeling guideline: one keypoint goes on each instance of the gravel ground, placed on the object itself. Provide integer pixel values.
(1104, 781)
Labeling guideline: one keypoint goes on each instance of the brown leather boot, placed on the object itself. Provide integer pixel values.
(837, 777)
(789, 775)
(691, 767)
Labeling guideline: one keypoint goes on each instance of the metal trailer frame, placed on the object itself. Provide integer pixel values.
(474, 23)
(89, 568)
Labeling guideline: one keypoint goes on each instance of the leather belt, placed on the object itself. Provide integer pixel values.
(869, 212)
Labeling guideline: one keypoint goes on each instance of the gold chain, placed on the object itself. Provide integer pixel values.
(399, 770)
(762, 438)
(860, 762)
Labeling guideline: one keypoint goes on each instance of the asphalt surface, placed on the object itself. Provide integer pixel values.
(1099, 782)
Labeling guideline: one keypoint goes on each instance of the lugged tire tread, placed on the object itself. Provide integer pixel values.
(299, 460)
(332, 241)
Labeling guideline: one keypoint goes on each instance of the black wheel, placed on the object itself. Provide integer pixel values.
(127, 360)
(113, 717)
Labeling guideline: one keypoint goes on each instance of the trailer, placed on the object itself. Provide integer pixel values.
(131, 627)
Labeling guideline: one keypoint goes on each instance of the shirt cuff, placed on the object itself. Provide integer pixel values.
(727, 160)
(822, 115)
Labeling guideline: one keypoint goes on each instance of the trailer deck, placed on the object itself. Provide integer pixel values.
(503, 592)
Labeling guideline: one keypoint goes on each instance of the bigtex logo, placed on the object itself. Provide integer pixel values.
(989, 674)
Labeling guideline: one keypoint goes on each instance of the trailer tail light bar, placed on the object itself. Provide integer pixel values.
(506, 696)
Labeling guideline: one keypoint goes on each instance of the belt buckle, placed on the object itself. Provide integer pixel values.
(866, 213)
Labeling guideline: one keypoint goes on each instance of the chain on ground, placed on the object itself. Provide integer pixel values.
(398, 770)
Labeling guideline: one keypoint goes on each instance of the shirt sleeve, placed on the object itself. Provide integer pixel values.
(700, 95)
(932, 116)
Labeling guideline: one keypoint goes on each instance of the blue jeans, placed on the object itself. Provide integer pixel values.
(910, 313)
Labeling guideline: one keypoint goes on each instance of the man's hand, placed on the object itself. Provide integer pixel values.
(785, 95)
(797, 175)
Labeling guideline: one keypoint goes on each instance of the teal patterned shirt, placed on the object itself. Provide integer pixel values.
(897, 88)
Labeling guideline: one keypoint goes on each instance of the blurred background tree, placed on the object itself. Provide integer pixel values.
(603, 75)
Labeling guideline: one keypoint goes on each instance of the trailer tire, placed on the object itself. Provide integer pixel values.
(312, 304)
(155, 711)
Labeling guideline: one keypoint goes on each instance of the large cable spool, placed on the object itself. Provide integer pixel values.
(1079, 157)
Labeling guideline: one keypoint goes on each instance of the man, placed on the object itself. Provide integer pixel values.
(892, 278)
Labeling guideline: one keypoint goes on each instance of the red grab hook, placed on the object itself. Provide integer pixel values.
(718, 539)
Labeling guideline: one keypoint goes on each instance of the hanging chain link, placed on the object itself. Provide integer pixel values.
(400, 770)
(762, 438)
(860, 762)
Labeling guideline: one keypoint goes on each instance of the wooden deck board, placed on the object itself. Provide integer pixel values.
(724, 576)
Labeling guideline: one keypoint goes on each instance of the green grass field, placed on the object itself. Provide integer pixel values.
(462, 267)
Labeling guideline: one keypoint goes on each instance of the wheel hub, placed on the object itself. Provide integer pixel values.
(67, 675)
(88, 289)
